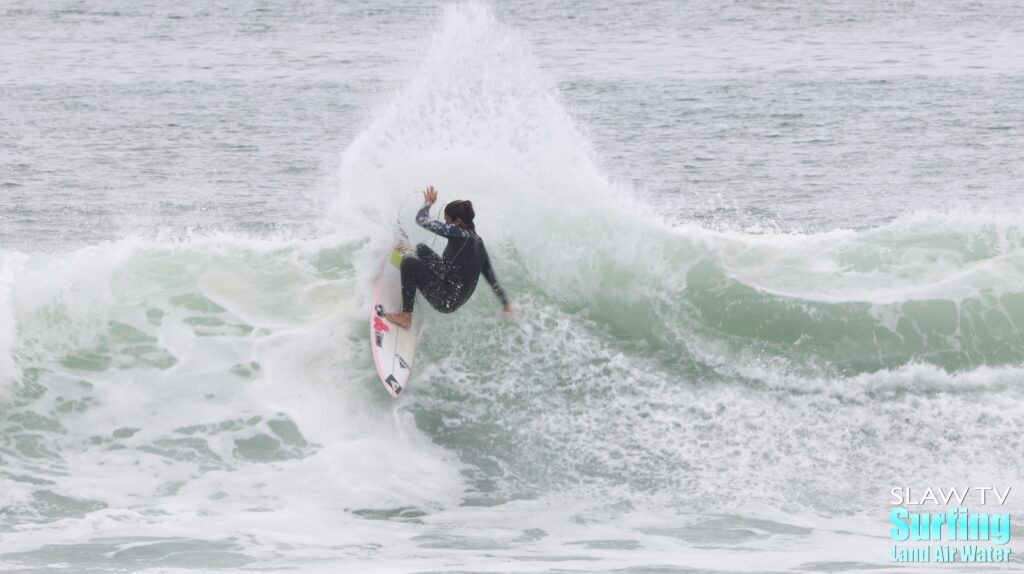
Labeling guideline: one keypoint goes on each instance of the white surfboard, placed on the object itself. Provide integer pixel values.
(394, 348)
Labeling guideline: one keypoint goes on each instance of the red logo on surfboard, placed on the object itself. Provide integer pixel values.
(379, 325)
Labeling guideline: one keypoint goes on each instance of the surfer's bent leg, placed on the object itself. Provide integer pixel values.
(412, 271)
(427, 255)
(418, 274)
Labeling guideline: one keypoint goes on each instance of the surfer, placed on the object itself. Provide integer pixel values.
(446, 281)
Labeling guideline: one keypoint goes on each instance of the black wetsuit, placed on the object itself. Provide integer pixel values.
(447, 281)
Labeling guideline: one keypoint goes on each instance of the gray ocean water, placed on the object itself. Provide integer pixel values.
(766, 256)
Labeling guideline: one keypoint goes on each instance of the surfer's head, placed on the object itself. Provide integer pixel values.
(460, 212)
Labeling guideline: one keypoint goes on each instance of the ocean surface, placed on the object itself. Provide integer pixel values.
(767, 260)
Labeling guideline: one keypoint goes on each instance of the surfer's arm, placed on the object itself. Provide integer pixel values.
(438, 227)
(488, 273)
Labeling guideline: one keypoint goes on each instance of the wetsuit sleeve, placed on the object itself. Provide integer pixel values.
(488, 273)
(435, 226)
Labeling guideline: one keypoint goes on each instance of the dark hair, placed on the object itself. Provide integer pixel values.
(461, 209)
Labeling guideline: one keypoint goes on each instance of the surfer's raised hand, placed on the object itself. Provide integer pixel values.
(430, 195)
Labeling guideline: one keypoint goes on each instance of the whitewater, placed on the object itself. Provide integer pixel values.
(767, 263)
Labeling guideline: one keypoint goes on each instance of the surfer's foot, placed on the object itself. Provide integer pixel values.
(403, 320)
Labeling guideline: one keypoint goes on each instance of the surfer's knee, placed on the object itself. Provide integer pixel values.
(409, 262)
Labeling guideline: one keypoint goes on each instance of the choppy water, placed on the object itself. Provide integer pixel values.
(767, 260)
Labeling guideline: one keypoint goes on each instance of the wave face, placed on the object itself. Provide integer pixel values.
(941, 289)
(211, 401)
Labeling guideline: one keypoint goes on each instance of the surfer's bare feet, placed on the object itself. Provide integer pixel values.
(403, 320)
